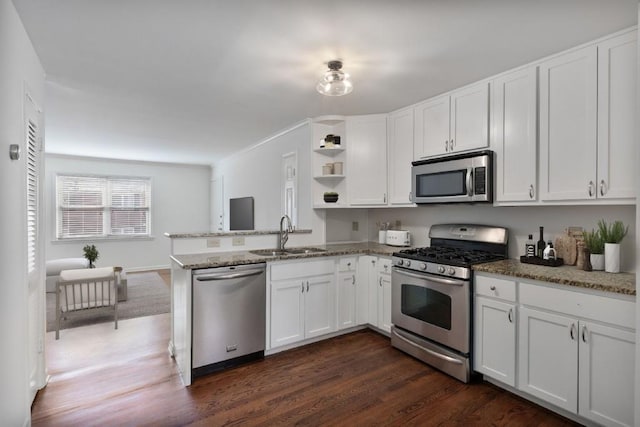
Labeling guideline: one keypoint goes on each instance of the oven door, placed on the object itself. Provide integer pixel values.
(434, 307)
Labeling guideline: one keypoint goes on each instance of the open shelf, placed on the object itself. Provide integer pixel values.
(329, 151)
(331, 177)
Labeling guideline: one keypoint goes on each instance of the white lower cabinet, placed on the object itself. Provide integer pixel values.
(384, 294)
(573, 349)
(347, 293)
(302, 301)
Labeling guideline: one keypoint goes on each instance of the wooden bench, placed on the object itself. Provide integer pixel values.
(86, 289)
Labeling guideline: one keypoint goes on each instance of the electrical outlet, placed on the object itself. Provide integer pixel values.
(237, 241)
(355, 226)
(213, 243)
(398, 224)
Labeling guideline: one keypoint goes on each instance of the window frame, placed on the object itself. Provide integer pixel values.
(107, 208)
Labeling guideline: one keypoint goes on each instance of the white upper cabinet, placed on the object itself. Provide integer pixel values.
(617, 76)
(587, 110)
(367, 159)
(514, 135)
(400, 156)
(455, 122)
(568, 120)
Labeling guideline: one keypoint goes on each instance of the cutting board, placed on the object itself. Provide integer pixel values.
(567, 245)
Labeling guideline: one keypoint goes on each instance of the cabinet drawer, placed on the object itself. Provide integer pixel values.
(292, 270)
(347, 264)
(497, 288)
(575, 303)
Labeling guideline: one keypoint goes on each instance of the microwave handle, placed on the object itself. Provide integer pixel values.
(469, 181)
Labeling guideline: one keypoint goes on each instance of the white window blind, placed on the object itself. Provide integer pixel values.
(94, 206)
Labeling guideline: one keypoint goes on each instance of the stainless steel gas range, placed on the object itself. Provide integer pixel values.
(431, 294)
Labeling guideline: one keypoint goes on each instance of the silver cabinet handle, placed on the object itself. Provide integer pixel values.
(431, 352)
(572, 331)
(384, 198)
(227, 276)
(353, 279)
(435, 279)
(510, 315)
(531, 192)
(603, 187)
(302, 287)
(451, 145)
(492, 287)
(584, 333)
(373, 261)
(590, 188)
(307, 286)
(410, 195)
(380, 281)
(446, 145)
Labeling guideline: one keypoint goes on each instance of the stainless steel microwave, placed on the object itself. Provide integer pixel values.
(461, 178)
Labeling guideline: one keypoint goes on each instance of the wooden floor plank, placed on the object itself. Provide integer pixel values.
(102, 376)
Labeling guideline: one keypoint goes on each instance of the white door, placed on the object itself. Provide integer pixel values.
(607, 364)
(431, 127)
(495, 340)
(217, 203)
(320, 305)
(367, 160)
(287, 312)
(469, 118)
(346, 300)
(35, 243)
(514, 137)
(290, 187)
(617, 76)
(548, 357)
(568, 126)
(400, 156)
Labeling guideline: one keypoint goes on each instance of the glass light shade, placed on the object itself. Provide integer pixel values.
(334, 83)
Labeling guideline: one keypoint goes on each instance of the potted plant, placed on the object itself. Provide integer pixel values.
(612, 235)
(92, 254)
(594, 242)
(330, 196)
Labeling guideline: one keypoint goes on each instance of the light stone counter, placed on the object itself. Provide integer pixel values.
(621, 283)
(225, 259)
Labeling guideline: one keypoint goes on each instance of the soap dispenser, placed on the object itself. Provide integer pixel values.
(549, 251)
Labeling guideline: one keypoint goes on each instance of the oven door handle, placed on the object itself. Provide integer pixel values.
(436, 279)
(431, 352)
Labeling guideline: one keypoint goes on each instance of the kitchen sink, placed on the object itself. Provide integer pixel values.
(290, 251)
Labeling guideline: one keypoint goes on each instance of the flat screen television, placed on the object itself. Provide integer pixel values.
(241, 213)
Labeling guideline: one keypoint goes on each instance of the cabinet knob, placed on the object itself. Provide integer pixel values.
(510, 315)
(353, 279)
(446, 145)
(451, 145)
(572, 331)
(603, 187)
(584, 333)
(492, 287)
(531, 192)
(590, 188)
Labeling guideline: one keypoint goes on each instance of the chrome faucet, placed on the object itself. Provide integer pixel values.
(284, 232)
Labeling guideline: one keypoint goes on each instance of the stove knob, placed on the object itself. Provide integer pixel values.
(451, 271)
(441, 269)
(423, 266)
(408, 263)
(400, 262)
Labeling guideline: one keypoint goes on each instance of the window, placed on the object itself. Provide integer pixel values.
(99, 206)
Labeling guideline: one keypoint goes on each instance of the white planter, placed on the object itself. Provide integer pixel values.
(612, 257)
(597, 262)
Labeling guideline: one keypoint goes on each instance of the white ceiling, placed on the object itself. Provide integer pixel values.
(193, 81)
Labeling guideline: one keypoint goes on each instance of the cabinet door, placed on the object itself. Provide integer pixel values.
(384, 294)
(470, 118)
(365, 263)
(568, 106)
(367, 160)
(400, 156)
(607, 366)
(495, 340)
(287, 312)
(514, 124)
(346, 300)
(548, 357)
(431, 127)
(372, 267)
(617, 75)
(320, 307)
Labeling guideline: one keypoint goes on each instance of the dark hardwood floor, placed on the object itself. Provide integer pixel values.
(101, 376)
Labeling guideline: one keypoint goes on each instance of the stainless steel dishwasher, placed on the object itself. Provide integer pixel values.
(229, 310)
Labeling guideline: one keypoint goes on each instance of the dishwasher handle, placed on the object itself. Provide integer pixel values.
(226, 276)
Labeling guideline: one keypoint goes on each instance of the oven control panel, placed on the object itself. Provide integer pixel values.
(433, 268)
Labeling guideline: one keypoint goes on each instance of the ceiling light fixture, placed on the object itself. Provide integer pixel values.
(334, 82)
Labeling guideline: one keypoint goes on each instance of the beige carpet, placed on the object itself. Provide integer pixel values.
(147, 295)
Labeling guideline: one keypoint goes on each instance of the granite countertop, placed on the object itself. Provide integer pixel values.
(231, 233)
(621, 283)
(225, 259)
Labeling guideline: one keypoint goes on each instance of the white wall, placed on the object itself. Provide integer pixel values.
(520, 221)
(180, 203)
(19, 66)
(257, 172)
(637, 260)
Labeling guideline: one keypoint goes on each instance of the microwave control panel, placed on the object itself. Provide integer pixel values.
(479, 181)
